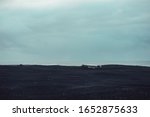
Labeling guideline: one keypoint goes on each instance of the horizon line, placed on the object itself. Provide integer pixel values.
(27, 64)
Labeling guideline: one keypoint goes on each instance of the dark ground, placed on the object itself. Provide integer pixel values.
(111, 82)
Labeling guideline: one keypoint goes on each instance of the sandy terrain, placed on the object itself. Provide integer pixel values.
(115, 82)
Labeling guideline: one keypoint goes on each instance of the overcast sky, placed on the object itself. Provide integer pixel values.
(74, 32)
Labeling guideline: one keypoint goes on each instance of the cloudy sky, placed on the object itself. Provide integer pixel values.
(75, 32)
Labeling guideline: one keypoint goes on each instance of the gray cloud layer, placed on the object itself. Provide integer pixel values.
(85, 33)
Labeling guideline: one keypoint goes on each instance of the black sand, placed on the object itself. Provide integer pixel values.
(109, 82)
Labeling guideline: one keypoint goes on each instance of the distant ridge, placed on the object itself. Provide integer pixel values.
(102, 66)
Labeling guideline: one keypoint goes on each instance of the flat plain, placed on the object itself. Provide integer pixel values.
(106, 82)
